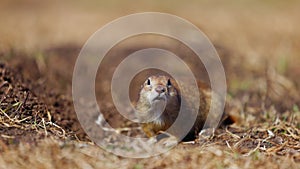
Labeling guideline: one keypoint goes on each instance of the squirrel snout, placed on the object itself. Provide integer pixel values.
(160, 89)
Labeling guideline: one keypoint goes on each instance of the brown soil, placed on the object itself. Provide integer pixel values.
(31, 110)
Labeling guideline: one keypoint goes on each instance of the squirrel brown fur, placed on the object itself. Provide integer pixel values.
(161, 94)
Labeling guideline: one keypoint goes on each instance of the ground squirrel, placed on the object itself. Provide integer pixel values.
(161, 92)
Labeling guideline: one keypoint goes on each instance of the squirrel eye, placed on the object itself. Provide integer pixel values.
(169, 83)
(148, 82)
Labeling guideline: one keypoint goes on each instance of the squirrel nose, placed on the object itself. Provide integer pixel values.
(160, 89)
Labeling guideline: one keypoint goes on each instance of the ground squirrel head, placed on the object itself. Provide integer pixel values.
(158, 93)
(158, 88)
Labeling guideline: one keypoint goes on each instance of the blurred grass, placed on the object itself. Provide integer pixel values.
(257, 33)
(241, 24)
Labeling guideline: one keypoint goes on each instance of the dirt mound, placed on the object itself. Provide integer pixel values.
(30, 112)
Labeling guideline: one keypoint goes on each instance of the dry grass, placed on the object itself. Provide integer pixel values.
(276, 146)
(24, 116)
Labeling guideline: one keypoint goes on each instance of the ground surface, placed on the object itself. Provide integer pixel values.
(257, 43)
